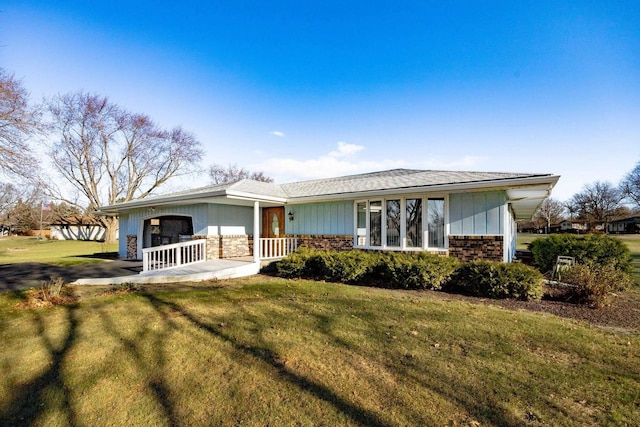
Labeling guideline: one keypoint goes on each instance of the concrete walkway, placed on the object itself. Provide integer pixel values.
(31, 274)
(208, 270)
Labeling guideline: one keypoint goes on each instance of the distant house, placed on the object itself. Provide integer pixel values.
(572, 226)
(467, 215)
(624, 226)
(77, 227)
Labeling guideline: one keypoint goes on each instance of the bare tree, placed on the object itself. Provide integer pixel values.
(630, 186)
(226, 174)
(599, 202)
(18, 121)
(550, 212)
(110, 155)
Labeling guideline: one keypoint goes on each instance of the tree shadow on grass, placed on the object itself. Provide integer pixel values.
(154, 371)
(358, 415)
(33, 398)
(482, 407)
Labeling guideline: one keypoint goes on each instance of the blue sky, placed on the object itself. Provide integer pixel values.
(330, 88)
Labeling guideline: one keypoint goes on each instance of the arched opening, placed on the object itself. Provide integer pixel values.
(165, 230)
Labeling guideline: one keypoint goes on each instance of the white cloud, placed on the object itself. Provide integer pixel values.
(277, 133)
(344, 162)
(345, 149)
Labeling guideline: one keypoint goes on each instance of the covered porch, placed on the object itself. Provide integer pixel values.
(231, 227)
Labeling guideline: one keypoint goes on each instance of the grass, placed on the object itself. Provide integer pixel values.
(631, 240)
(15, 250)
(264, 351)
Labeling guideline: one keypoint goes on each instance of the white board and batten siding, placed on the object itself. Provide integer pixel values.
(229, 220)
(332, 218)
(477, 213)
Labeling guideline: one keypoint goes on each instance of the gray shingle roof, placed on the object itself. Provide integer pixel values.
(345, 185)
(392, 179)
(258, 187)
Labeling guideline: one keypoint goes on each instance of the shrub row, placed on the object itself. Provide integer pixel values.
(421, 270)
(590, 249)
(387, 269)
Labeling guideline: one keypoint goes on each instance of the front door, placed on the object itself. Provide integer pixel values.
(273, 222)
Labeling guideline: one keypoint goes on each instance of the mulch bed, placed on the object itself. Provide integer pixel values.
(622, 310)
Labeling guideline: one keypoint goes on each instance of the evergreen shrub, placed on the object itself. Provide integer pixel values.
(499, 280)
(589, 249)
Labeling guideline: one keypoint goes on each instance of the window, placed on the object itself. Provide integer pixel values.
(411, 223)
(435, 223)
(393, 223)
(414, 223)
(375, 223)
(361, 224)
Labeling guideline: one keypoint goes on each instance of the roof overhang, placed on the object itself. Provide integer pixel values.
(526, 191)
(227, 197)
(525, 200)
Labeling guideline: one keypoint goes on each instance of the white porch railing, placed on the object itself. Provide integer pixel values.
(174, 255)
(277, 247)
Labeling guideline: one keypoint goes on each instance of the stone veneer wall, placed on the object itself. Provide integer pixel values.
(228, 246)
(132, 246)
(235, 246)
(469, 248)
(325, 242)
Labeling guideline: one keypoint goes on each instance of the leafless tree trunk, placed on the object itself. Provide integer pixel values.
(599, 203)
(110, 155)
(630, 186)
(550, 212)
(18, 121)
(226, 174)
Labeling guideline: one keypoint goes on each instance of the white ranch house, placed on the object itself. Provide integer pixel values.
(77, 227)
(469, 215)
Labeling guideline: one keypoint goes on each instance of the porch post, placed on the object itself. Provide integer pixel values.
(256, 231)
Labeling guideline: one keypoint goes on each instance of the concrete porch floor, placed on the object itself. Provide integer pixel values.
(207, 270)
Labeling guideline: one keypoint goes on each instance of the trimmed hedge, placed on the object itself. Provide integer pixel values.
(498, 280)
(592, 248)
(420, 270)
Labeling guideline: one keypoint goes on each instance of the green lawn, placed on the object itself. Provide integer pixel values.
(263, 351)
(56, 252)
(631, 240)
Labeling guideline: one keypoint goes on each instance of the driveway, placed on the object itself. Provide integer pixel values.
(31, 274)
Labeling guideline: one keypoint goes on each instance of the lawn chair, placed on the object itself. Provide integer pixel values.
(563, 263)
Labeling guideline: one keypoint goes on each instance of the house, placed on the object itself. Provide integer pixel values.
(469, 215)
(77, 227)
(573, 226)
(626, 225)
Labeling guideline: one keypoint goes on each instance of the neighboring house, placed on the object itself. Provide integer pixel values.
(77, 227)
(626, 225)
(469, 215)
(573, 226)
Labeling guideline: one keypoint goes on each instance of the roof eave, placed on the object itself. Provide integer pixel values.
(500, 184)
(161, 201)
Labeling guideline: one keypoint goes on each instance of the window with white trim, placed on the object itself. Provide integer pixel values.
(435, 221)
(401, 223)
(393, 223)
(375, 223)
(361, 224)
(414, 223)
